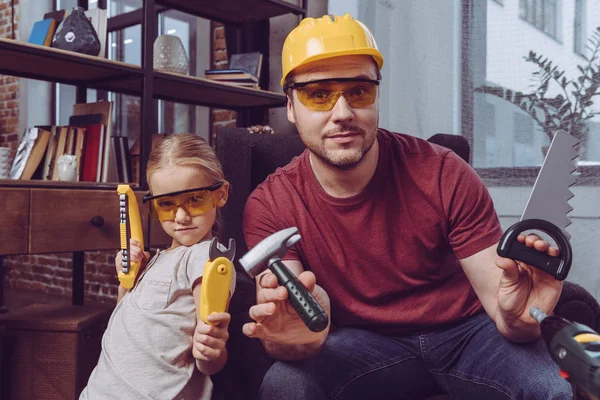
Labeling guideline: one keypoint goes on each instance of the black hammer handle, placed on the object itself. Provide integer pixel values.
(302, 300)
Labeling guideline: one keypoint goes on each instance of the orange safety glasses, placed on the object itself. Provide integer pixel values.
(323, 94)
(194, 201)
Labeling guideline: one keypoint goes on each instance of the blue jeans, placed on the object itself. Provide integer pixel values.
(468, 361)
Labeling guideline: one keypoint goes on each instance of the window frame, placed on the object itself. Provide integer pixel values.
(588, 175)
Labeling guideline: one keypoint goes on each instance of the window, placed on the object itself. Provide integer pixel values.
(579, 27)
(543, 14)
(500, 46)
(126, 45)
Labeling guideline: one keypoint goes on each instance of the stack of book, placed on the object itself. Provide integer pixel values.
(244, 70)
(43, 31)
(100, 156)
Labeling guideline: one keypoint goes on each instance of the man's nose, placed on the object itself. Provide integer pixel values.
(342, 111)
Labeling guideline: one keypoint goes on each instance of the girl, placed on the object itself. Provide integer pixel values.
(153, 347)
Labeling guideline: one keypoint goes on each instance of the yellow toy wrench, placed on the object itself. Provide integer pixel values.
(130, 226)
(216, 279)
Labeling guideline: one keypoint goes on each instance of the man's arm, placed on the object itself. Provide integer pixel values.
(278, 326)
(507, 290)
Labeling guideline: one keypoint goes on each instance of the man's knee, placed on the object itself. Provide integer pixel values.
(543, 384)
(286, 380)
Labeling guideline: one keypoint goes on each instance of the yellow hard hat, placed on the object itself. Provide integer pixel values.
(329, 36)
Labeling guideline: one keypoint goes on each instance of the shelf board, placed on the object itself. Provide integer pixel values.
(43, 184)
(234, 11)
(28, 60)
(49, 64)
(208, 93)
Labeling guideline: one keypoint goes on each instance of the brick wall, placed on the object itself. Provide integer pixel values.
(220, 60)
(52, 273)
(9, 86)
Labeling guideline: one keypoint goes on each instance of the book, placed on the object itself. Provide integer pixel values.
(249, 62)
(58, 16)
(90, 165)
(61, 145)
(227, 75)
(42, 32)
(108, 171)
(50, 151)
(30, 152)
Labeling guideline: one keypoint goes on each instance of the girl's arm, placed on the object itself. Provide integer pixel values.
(209, 341)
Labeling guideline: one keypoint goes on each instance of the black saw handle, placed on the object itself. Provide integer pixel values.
(558, 267)
(302, 300)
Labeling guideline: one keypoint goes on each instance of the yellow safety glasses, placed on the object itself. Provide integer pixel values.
(323, 94)
(194, 201)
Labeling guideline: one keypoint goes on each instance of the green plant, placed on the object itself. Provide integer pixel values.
(570, 108)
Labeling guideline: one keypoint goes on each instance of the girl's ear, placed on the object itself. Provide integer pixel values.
(223, 195)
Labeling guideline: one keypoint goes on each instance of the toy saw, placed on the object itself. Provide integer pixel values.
(547, 210)
(130, 226)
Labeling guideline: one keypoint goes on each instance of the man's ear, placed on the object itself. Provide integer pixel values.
(291, 116)
(223, 195)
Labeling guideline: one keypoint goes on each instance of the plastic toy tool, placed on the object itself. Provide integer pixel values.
(130, 226)
(216, 280)
(547, 210)
(267, 254)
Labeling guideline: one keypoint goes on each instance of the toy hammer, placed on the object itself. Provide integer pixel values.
(267, 254)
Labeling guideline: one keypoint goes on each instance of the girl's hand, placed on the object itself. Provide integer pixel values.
(209, 340)
(137, 255)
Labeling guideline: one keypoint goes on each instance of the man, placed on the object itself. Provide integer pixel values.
(401, 236)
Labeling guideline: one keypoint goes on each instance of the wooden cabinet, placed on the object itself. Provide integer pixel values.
(54, 217)
(55, 220)
(14, 221)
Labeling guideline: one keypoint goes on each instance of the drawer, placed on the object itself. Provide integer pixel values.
(79, 220)
(14, 219)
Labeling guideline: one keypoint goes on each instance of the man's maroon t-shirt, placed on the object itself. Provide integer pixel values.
(387, 257)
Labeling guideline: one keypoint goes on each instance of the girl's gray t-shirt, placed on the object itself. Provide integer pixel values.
(147, 346)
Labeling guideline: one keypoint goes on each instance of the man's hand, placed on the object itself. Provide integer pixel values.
(523, 286)
(209, 343)
(276, 320)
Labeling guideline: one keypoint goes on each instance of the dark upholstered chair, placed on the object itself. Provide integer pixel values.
(247, 159)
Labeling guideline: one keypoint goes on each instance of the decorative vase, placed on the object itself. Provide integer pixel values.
(5, 162)
(67, 168)
(170, 55)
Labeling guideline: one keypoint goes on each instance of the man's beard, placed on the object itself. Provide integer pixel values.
(344, 159)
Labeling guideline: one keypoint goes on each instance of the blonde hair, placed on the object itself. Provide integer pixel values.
(184, 149)
(187, 149)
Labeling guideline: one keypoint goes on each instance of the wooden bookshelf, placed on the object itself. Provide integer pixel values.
(234, 11)
(49, 64)
(52, 216)
(54, 65)
(205, 92)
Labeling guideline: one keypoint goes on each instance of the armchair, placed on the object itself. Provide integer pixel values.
(247, 159)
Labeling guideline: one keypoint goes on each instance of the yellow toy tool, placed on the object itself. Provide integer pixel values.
(130, 226)
(216, 279)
